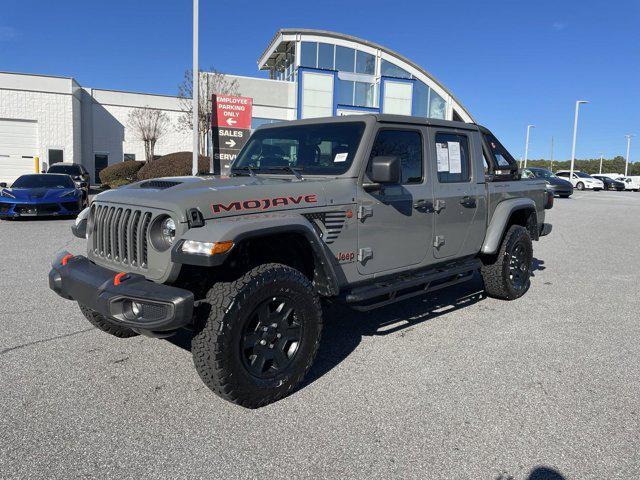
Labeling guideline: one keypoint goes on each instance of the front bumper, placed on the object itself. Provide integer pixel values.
(161, 308)
(25, 209)
(560, 189)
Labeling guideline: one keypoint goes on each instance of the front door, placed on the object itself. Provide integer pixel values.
(394, 224)
(101, 162)
(459, 197)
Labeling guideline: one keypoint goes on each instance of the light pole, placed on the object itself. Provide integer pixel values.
(601, 157)
(551, 166)
(575, 134)
(626, 163)
(526, 144)
(196, 90)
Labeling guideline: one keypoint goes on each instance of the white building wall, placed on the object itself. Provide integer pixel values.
(54, 113)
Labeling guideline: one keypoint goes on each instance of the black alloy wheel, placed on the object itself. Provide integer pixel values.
(271, 338)
(519, 266)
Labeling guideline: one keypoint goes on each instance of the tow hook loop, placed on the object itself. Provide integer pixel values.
(65, 259)
(119, 278)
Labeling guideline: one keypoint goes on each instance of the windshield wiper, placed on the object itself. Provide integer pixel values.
(288, 168)
(248, 168)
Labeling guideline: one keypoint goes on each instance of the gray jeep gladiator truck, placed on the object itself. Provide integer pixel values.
(365, 210)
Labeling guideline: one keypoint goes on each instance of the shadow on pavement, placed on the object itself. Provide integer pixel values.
(545, 473)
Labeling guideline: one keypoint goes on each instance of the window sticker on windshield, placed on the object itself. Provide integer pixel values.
(455, 160)
(442, 151)
(340, 157)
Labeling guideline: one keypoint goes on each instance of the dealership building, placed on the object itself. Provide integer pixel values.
(312, 73)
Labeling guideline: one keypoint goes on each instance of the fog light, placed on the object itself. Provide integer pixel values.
(132, 310)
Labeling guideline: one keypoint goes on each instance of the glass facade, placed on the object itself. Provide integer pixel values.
(358, 78)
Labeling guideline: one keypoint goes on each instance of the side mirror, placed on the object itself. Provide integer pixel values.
(385, 170)
(3, 184)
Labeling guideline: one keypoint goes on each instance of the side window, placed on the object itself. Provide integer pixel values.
(452, 156)
(406, 144)
(502, 157)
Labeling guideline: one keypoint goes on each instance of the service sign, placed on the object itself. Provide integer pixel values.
(232, 112)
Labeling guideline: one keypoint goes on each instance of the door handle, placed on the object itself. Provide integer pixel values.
(422, 204)
(468, 202)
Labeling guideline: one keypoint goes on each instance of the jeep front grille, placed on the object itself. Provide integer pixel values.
(120, 234)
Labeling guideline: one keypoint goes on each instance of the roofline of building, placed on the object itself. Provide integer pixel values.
(327, 33)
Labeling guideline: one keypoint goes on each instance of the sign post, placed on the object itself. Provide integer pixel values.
(230, 129)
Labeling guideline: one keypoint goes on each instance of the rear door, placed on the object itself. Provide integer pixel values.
(459, 189)
(395, 226)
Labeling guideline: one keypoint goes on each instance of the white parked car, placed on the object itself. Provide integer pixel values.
(631, 183)
(581, 180)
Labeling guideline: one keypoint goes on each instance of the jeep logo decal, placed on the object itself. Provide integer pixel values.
(263, 204)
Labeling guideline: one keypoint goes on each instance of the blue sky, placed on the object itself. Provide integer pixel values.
(511, 63)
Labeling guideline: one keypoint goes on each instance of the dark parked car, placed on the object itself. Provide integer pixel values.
(79, 174)
(610, 183)
(554, 184)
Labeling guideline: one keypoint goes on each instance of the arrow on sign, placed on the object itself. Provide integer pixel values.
(231, 121)
(231, 143)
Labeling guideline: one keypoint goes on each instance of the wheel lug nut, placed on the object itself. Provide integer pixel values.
(279, 335)
(274, 325)
(271, 345)
(263, 342)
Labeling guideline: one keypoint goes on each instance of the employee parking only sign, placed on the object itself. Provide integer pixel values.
(231, 127)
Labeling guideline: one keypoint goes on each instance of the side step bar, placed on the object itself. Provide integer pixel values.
(397, 289)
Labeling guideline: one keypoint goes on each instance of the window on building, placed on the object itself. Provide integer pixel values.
(344, 92)
(55, 156)
(365, 63)
(437, 106)
(309, 54)
(129, 157)
(420, 99)
(345, 59)
(388, 69)
(325, 56)
(364, 94)
(406, 144)
(452, 156)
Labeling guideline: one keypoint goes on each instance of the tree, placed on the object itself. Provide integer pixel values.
(148, 125)
(211, 82)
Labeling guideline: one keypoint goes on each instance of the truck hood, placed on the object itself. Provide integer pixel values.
(220, 196)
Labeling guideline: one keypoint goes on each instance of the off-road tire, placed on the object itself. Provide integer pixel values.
(106, 325)
(496, 269)
(228, 308)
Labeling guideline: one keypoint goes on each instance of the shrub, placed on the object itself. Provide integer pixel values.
(120, 174)
(172, 165)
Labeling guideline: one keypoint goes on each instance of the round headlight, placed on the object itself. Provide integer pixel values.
(162, 232)
(168, 230)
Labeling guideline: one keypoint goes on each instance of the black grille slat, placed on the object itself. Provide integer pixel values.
(133, 240)
(143, 239)
(122, 228)
(115, 233)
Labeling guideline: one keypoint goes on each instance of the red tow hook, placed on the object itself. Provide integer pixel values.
(119, 278)
(65, 259)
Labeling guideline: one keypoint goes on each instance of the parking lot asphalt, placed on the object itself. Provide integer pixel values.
(450, 386)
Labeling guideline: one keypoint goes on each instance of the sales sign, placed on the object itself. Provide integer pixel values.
(230, 128)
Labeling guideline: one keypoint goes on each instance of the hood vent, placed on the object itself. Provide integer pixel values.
(159, 184)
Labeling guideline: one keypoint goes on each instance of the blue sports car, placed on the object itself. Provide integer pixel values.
(41, 195)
